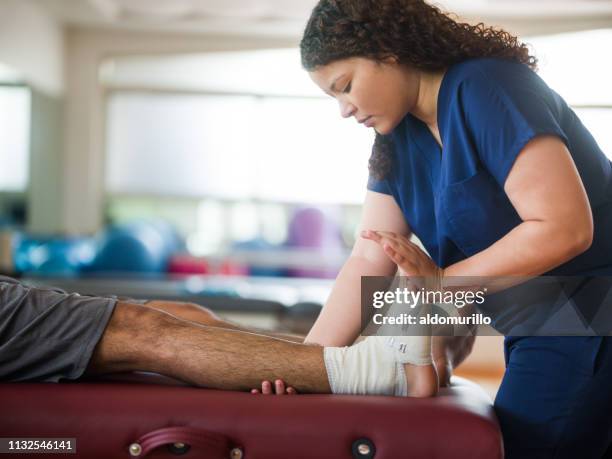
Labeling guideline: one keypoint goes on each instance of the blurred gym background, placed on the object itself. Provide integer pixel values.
(176, 150)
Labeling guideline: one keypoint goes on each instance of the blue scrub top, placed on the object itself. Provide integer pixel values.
(453, 197)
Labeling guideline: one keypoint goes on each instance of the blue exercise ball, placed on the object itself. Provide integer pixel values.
(175, 243)
(53, 256)
(133, 247)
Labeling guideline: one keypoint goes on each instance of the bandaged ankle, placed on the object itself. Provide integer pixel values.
(411, 349)
(375, 365)
(368, 367)
(414, 344)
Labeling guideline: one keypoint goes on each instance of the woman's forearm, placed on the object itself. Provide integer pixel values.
(530, 249)
(339, 323)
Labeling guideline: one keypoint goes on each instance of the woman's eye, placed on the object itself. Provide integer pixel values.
(347, 89)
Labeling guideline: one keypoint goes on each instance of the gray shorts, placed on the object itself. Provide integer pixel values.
(47, 334)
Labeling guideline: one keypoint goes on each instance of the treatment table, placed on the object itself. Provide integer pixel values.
(147, 415)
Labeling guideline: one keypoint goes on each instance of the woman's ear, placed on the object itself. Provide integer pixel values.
(390, 60)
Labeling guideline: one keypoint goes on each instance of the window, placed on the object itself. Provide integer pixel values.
(14, 137)
(572, 65)
(237, 125)
(276, 149)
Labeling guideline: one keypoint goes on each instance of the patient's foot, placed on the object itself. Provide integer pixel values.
(422, 380)
(444, 369)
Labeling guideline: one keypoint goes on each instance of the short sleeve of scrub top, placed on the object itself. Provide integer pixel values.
(504, 111)
(380, 186)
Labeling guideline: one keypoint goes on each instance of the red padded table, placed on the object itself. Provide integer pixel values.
(150, 413)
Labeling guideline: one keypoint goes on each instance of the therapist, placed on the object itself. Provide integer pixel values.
(494, 173)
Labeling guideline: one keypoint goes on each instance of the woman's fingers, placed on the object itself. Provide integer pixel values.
(278, 388)
(389, 234)
(369, 234)
(266, 388)
(395, 256)
(405, 263)
(378, 236)
(411, 260)
(400, 251)
(402, 246)
(381, 236)
(399, 239)
(282, 388)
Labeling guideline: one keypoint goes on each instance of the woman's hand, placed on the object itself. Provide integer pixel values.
(278, 388)
(411, 260)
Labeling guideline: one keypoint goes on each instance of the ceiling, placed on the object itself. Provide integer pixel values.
(287, 17)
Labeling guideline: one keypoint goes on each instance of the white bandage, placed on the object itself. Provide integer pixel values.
(414, 344)
(411, 349)
(368, 367)
(376, 365)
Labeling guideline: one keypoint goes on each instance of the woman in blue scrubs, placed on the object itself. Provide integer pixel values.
(494, 173)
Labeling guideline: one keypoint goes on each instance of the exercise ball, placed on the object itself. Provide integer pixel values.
(133, 247)
(184, 264)
(67, 257)
(54, 256)
(316, 230)
(175, 243)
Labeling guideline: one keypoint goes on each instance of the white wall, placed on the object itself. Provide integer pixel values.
(31, 42)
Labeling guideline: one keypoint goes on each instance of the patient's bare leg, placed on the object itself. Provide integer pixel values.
(143, 338)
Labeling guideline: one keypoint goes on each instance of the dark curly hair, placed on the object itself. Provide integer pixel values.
(415, 33)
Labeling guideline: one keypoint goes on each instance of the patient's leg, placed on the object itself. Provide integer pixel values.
(196, 313)
(444, 349)
(142, 338)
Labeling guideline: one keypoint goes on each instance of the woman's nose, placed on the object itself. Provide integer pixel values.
(347, 109)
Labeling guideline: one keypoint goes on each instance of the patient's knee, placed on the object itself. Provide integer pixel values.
(130, 340)
(187, 311)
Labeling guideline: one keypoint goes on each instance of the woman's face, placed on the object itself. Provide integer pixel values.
(377, 94)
